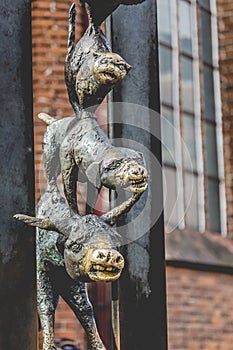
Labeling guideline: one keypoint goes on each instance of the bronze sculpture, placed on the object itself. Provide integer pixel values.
(73, 251)
(91, 69)
(71, 145)
(78, 249)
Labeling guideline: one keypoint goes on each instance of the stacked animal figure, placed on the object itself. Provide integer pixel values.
(73, 249)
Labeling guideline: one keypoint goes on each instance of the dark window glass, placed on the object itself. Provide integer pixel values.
(165, 56)
(213, 206)
(205, 4)
(189, 147)
(168, 142)
(191, 200)
(209, 93)
(211, 151)
(206, 36)
(187, 84)
(164, 21)
(185, 28)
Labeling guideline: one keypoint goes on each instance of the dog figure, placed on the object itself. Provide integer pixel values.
(72, 146)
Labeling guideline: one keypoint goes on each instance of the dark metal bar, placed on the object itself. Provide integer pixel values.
(142, 291)
(18, 320)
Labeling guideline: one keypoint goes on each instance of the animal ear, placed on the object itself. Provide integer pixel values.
(60, 225)
(93, 174)
(44, 223)
(141, 156)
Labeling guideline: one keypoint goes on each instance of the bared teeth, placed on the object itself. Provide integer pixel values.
(139, 183)
(97, 267)
(109, 268)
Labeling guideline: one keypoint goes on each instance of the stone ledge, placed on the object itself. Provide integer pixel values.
(194, 247)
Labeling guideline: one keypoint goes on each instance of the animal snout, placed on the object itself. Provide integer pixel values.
(138, 171)
(108, 257)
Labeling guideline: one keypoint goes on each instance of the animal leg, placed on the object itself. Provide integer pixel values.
(46, 301)
(112, 215)
(77, 298)
(52, 164)
(69, 176)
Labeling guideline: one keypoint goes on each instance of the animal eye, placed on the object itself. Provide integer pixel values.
(76, 247)
(105, 61)
(114, 164)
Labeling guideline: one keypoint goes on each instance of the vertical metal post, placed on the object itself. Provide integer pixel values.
(142, 292)
(18, 317)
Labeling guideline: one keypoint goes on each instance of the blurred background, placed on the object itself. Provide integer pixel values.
(196, 86)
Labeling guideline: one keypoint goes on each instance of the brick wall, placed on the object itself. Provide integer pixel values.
(200, 310)
(225, 28)
(50, 32)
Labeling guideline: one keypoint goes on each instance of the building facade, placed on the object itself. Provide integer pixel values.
(196, 83)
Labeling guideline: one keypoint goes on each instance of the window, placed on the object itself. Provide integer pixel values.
(191, 115)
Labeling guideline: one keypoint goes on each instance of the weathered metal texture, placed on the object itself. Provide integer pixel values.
(73, 146)
(75, 250)
(17, 249)
(91, 69)
(142, 291)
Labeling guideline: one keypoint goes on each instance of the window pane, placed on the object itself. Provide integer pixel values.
(164, 21)
(205, 4)
(209, 93)
(211, 151)
(165, 56)
(170, 196)
(187, 84)
(213, 206)
(206, 36)
(185, 27)
(189, 140)
(168, 142)
(191, 200)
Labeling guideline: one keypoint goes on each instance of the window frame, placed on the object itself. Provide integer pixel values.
(197, 113)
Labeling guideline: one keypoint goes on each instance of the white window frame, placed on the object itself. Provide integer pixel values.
(176, 88)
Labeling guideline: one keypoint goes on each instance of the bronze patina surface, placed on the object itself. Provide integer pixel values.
(74, 145)
(91, 68)
(91, 71)
(72, 251)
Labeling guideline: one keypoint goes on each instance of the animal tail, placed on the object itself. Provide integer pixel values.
(47, 119)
